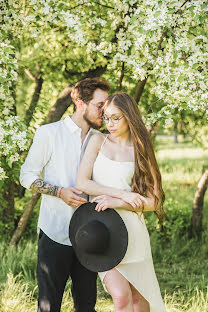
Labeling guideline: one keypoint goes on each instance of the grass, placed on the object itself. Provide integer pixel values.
(180, 262)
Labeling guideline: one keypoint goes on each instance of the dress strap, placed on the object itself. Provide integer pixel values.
(104, 141)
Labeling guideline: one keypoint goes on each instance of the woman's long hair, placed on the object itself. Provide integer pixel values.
(147, 177)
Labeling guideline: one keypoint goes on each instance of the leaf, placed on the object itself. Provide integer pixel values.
(195, 66)
(203, 6)
(9, 163)
(164, 43)
(183, 48)
(8, 50)
(157, 14)
(141, 30)
(133, 19)
(181, 78)
(175, 55)
(191, 8)
(171, 11)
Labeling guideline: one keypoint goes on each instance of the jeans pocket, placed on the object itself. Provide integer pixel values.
(40, 234)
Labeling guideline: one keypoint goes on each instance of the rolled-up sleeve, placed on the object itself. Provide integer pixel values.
(38, 156)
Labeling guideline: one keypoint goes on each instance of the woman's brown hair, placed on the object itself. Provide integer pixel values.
(147, 177)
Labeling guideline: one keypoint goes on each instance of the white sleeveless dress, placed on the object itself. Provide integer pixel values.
(137, 265)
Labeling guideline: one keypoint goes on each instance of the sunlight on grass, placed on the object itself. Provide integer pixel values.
(15, 296)
(197, 302)
(179, 153)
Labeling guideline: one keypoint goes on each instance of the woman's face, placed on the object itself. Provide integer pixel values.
(115, 121)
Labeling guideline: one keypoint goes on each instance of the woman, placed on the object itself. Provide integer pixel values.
(121, 172)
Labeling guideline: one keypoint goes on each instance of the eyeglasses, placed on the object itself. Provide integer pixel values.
(114, 120)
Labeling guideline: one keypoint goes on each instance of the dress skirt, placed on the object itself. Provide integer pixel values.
(137, 265)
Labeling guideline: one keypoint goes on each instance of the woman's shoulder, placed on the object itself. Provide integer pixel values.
(98, 138)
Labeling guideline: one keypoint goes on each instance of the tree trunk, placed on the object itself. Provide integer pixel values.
(139, 90)
(62, 103)
(121, 76)
(197, 211)
(7, 208)
(175, 133)
(207, 224)
(34, 101)
(24, 218)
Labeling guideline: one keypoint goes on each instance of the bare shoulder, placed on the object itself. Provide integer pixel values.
(97, 139)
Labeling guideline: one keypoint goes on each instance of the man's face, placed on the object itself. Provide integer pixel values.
(94, 109)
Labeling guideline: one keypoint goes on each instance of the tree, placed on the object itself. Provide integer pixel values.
(196, 221)
(135, 44)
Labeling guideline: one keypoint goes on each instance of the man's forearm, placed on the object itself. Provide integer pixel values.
(44, 188)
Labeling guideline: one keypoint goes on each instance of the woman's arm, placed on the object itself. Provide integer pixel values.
(84, 176)
(105, 201)
(130, 200)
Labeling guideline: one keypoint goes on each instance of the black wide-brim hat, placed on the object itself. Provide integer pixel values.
(99, 239)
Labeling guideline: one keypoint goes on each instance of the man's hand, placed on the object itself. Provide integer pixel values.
(69, 196)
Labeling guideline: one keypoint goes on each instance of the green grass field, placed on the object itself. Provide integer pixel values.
(180, 262)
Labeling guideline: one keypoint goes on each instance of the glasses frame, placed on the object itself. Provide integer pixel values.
(112, 120)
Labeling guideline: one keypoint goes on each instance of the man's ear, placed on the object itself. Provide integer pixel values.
(79, 103)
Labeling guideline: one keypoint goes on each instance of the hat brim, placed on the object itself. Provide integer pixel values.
(118, 242)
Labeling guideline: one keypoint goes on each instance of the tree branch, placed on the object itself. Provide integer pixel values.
(104, 5)
(121, 76)
(139, 90)
(34, 101)
(36, 94)
(24, 218)
(96, 2)
(29, 74)
(197, 210)
(164, 34)
(179, 10)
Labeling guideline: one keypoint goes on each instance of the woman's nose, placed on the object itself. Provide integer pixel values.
(110, 122)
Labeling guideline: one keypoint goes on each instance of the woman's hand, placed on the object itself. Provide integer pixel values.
(106, 202)
(134, 199)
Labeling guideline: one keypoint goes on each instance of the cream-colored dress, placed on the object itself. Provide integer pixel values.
(137, 265)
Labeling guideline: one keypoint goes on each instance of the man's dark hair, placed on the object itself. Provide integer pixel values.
(84, 89)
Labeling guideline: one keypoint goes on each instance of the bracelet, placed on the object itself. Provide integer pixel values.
(59, 192)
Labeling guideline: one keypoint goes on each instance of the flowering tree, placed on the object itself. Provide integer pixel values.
(131, 42)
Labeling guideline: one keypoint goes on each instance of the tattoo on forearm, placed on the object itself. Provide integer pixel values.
(45, 188)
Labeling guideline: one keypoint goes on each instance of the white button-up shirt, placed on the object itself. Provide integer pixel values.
(55, 157)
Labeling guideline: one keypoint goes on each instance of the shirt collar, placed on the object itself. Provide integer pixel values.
(73, 127)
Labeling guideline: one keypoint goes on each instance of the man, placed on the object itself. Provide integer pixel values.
(51, 168)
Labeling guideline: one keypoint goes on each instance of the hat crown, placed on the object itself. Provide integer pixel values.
(93, 237)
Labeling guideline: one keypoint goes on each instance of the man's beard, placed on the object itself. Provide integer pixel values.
(91, 123)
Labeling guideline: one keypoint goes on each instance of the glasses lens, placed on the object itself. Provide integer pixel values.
(105, 119)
